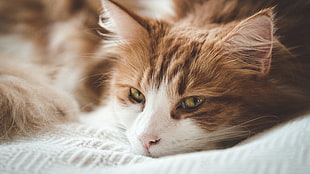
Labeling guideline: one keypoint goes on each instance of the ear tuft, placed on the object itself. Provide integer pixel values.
(252, 38)
(126, 24)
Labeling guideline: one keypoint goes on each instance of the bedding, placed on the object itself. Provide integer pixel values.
(82, 148)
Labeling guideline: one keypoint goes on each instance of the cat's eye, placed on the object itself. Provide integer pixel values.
(136, 95)
(192, 102)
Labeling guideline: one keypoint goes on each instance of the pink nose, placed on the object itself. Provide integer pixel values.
(149, 140)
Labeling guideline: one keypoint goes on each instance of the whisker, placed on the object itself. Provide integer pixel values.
(232, 132)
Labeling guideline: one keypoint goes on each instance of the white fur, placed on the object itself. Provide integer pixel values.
(17, 47)
(151, 121)
(154, 121)
(64, 45)
(176, 136)
(100, 118)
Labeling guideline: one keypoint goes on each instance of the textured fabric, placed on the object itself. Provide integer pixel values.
(67, 145)
(77, 148)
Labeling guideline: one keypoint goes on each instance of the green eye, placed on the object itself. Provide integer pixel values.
(192, 102)
(136, 95)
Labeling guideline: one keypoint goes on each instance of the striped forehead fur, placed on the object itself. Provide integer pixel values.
(183, 63)
(174, 57)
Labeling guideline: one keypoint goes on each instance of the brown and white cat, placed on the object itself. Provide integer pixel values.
(207, 77)
(51, 65)
(213, 74)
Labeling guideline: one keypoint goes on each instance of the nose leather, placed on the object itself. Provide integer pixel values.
(149, 140)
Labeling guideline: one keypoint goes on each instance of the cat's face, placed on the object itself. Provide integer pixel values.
(177, 89)
(170, 100)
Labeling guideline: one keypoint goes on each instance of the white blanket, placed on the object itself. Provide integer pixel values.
(78, 148)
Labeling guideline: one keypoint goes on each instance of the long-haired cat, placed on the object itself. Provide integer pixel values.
(49, 64)
(215, 73)
(207, 77)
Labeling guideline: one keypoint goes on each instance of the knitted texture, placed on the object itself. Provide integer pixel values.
(67, 145)
(77, 148)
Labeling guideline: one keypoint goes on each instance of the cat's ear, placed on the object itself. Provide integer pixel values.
(126, 24)
(252, 39)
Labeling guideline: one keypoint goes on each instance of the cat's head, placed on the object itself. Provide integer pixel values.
(178, 88)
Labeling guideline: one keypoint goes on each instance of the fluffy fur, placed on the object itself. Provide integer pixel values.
(251, 67)
(52, 64)
(249, 60)
(48, 64)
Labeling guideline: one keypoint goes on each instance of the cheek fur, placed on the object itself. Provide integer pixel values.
(126, 114)
(180, 137)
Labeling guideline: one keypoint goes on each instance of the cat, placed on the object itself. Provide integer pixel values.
(211, 75)
(51, 65)
(206, 77)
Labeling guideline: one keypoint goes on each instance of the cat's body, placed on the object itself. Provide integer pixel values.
(48, 63)
(208, 77)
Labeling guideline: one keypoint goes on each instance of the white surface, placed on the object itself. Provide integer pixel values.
(78, 148)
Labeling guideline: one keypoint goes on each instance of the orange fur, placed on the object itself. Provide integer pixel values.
(48, 63)
(251, 76)
(252, 68)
